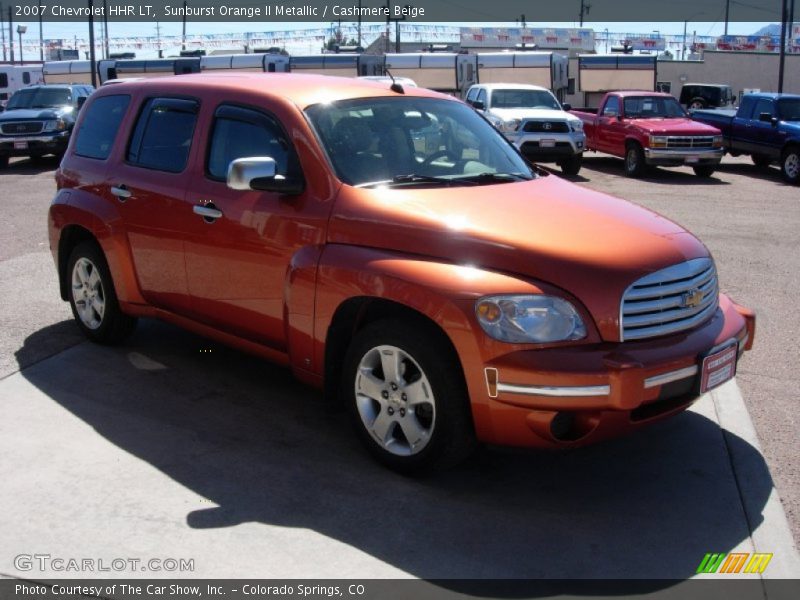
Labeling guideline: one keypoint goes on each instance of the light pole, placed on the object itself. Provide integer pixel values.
(3, 32)
(41, 38)
(20, 30)
(183, 35)
(685, 23)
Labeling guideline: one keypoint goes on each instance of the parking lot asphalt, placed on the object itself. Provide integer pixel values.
(174, 446)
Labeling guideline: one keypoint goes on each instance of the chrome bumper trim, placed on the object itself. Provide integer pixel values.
(541, 390)
(683, 153)
(658, 380)
(32, 138)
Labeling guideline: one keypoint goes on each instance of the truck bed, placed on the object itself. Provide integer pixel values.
(719, 118)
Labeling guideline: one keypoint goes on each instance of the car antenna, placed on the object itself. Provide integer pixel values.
(395, 87)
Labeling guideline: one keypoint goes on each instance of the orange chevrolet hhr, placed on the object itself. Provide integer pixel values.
(389, 246)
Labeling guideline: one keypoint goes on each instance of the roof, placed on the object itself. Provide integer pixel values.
(302, 90)
(511, 86)
(631, 93)
(772, 95)
(716, 85)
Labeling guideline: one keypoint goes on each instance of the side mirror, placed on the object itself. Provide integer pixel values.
(259, 173)
(733, 99)
(81, 102)
(566, 106)
(765, 117)
(478, 105)
(619, 117)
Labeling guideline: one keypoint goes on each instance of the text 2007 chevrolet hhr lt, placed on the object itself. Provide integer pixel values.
(389, 246)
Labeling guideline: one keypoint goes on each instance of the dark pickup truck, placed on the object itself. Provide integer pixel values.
(766, 126)
(38, 120)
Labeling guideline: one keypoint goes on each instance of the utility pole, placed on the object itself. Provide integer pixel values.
(359, 23)
(727, 14)
(105, 28)
(584, 10)
(11, 35)
(3, 32)
(92, 55)
(41, 39)
(183, 35)
(782, 62)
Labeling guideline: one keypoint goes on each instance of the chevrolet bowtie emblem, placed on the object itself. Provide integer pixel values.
(692, 298)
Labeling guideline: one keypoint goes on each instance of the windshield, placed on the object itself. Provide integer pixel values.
(413, 141)
(524, 99)
(789, 109)
(653, 107)
(40, 98)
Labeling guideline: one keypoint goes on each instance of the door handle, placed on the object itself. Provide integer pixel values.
(209, 212)
(121, 192)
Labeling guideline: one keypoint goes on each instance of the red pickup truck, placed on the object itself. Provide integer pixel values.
(649, 128)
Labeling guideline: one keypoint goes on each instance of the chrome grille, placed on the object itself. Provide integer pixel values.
(691, 141)
(671, 300)
(546, 127)
(22, 127)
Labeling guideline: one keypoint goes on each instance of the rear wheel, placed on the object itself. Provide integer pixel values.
(761, 160)
(703, 170)
(634, 160)
(572, 165)
(790, 165)
(3, 162)
(92, 296)
(697, 103)
(406, 396)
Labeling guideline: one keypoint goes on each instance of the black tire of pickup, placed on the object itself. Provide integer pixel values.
(634, 160)
(3, 162)
(790, 164)
(572, 165)
(704, 170)
(762, 161)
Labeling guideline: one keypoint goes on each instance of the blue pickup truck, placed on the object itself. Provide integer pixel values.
(766, 126)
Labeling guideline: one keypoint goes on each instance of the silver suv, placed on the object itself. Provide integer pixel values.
(534, 121)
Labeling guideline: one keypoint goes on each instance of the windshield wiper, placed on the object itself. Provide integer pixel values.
(410, 179)
(493, 178)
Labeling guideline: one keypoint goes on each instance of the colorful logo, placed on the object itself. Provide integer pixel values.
(735, 562)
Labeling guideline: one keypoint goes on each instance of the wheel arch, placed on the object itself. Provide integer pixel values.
(71, 236)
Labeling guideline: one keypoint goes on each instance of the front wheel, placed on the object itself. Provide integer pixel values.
(572, 165)
(703, 170)
(634, 160)
(92, 296)
(790, 165)
(407, 397)
(3, 162)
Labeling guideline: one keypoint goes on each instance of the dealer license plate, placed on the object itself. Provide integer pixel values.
(692, 159)
(20, 145)
(718, 367)
(547, 143)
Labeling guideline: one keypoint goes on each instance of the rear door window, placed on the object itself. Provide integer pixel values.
(163, 134)
(99, 128)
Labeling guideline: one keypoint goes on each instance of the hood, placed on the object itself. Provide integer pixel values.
(28, 114)
(674, 127)
(590, 244)
(532, 113)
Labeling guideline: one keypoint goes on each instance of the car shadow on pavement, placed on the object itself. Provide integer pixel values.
(666, 176)
(263, 448)
(771, 174)
(30, 166)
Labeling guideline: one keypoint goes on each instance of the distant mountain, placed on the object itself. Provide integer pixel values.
(774, 29)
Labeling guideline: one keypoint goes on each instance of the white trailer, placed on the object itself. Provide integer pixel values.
(546, 69)
(340, 65)
(601, 73)
(14, 77)
(255, 63)
(444, 72)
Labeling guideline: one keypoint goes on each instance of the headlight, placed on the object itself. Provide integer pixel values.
(717, 141)
(55, 125)
(658, 141)
(576, 125)
(529, 319)
(510, 125)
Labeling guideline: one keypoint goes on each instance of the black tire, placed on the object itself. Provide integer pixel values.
(3, 162)
(697, 103)
(790, 165)
(634, 160)
(444, 413)
(572, 165)
(761, 161)
(704, 170)
(110, 327)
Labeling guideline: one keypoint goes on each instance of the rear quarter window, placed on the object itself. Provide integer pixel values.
(98, 130)
(163, 134)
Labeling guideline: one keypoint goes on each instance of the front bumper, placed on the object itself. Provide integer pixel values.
(548, 147)
(572, 396)
(55, 143)
(683, 156)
